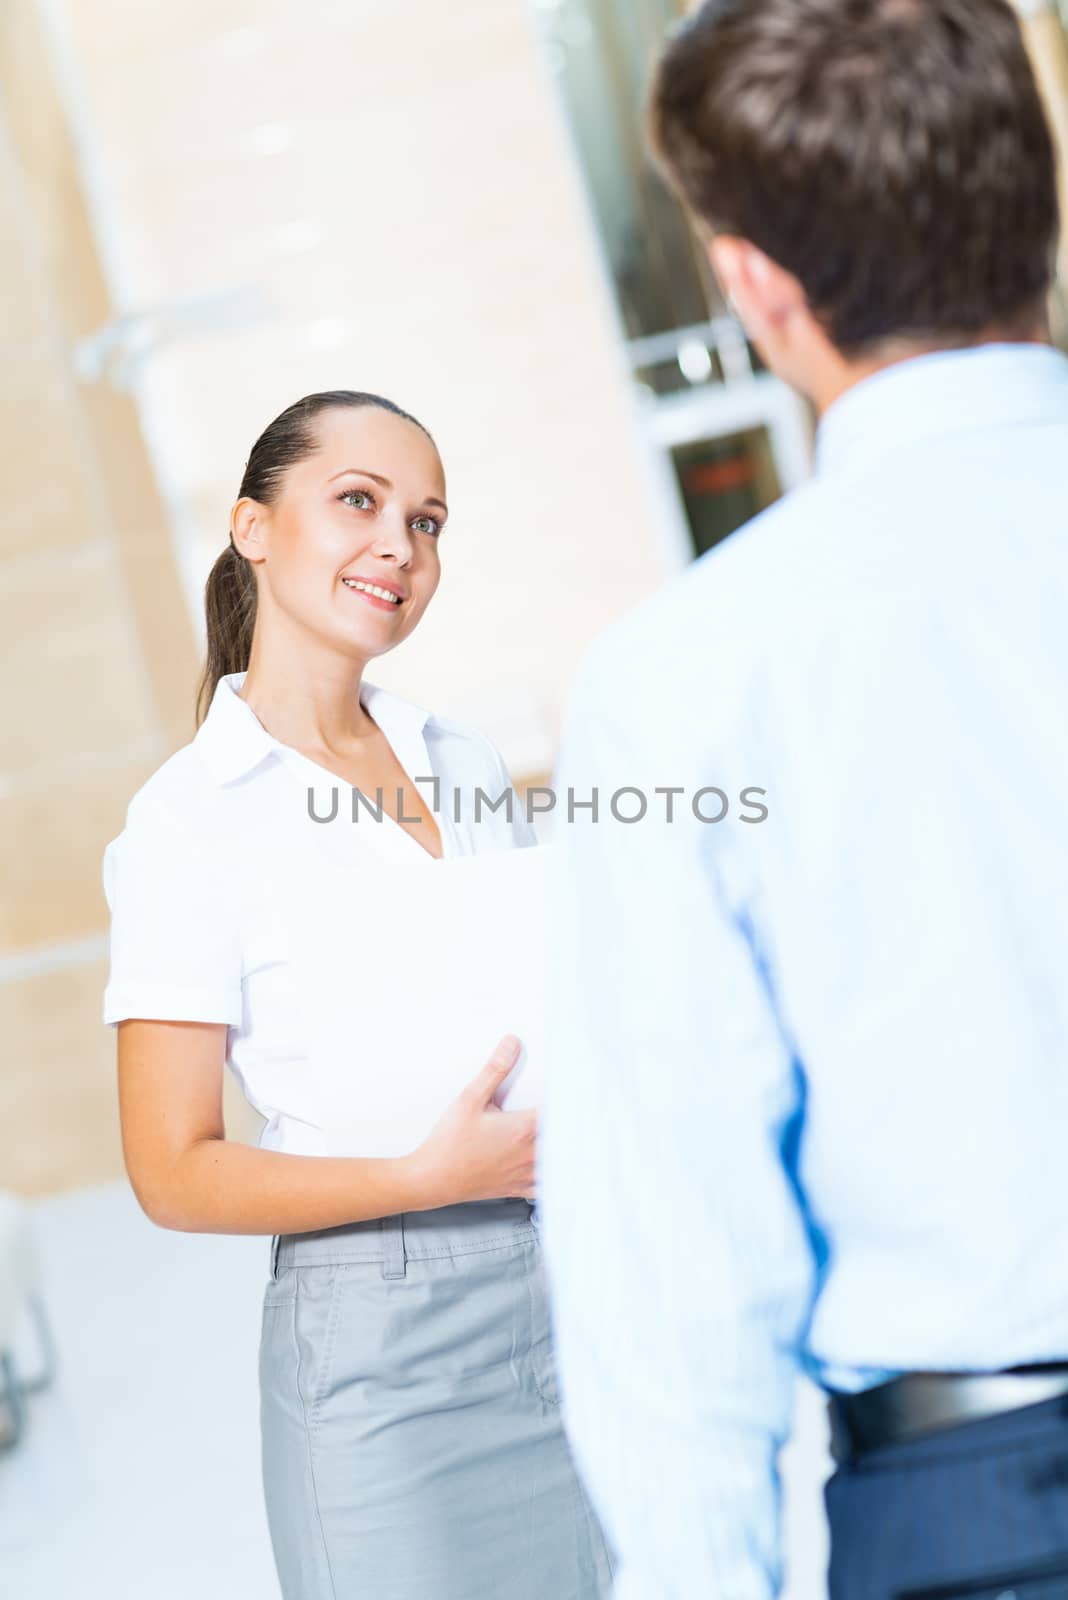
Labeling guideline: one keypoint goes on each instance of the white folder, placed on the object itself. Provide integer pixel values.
(412, 972)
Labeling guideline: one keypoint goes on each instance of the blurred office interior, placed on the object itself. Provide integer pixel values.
(209, 210)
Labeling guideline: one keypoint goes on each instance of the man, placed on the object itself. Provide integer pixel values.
(810, 1062)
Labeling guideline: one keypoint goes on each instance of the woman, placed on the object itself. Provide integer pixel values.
(412, 1444)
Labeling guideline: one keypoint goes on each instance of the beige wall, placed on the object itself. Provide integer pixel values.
(395, 182)
(90, 709)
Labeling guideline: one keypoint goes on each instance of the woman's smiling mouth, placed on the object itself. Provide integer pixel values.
(375, 593)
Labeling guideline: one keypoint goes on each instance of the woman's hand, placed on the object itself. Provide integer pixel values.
(476, 1151)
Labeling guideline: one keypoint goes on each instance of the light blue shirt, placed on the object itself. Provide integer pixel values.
(808, 1099)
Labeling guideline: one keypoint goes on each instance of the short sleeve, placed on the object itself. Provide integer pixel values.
(175, 950)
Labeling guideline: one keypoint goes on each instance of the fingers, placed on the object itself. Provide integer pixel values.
(525, 1123)
(496, 1069)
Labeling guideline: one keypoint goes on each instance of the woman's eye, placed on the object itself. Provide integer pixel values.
(363, 499)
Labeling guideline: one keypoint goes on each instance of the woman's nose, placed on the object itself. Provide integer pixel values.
(392, 540)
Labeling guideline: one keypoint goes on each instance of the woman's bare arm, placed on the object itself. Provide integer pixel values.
(188, 1176)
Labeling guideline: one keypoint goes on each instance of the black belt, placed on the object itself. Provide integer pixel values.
(921, 1403)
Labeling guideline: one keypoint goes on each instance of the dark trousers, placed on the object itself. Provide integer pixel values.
(975, 1512)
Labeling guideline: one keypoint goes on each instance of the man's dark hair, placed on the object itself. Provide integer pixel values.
(893, 155)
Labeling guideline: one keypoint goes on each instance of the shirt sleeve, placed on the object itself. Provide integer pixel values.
(175, 952)
(521, 828)
(678, 1258)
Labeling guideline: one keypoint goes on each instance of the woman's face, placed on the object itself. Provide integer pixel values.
(362, 513)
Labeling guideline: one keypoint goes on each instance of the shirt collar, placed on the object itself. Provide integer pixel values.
(942, 393)
(232, 740)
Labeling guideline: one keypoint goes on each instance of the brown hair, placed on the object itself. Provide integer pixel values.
(230, 590)
(893, 155)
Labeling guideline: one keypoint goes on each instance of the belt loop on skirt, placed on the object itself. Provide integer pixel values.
(393, 1262)
(275, 1243)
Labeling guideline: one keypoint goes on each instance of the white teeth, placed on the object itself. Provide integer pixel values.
(372, 588)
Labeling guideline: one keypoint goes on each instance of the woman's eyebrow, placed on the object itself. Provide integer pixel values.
(429, 500)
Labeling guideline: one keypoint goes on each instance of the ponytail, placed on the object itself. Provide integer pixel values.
(230, 615)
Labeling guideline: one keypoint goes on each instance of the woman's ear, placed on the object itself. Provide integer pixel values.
(247, 529)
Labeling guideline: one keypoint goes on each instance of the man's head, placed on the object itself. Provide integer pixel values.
(877, 176)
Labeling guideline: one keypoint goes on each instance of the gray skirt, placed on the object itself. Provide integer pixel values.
(412, 1442)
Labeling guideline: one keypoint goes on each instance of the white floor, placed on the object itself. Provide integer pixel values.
(139, 1470)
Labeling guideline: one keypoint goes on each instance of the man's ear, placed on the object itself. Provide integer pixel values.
(763, 295)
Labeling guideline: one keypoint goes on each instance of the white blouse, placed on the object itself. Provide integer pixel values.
(204, 878)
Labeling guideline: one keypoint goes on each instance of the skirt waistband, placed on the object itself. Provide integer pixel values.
(410, 1235)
